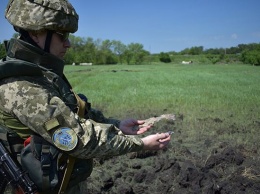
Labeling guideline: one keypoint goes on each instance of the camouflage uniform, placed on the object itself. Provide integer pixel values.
(40, 100)
(36, 98)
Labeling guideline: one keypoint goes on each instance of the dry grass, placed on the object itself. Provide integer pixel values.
(250, 173)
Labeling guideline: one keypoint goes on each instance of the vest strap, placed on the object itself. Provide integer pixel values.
(81, 106)
(67, 174)
(46, 164)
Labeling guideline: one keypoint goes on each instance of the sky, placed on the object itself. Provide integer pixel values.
(164, 25)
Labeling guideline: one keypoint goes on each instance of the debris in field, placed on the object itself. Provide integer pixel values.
(153, 120)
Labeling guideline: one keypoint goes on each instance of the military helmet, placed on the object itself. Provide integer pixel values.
(36, 15)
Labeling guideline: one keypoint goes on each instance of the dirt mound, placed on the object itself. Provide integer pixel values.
(188, 166)
(226, 170)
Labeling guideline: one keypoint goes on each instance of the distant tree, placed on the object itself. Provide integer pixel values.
(135, 53)
(112, 52)
(214, 51)
(164, 57)
(69, 57)
(76, 41)
(119, 48)
(251, 57)
(196, 50)
(173, 53)
(140, 57)
(15, 35)
(251, 54)
(128, 55)
(89, 50)
(76, 53)
(214, 58)
(233, 50)
(106, 54)
(242, 47)
(185, 51)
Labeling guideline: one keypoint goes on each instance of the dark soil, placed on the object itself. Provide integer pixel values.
(207, 166)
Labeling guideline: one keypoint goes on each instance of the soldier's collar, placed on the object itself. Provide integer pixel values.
(20, 49)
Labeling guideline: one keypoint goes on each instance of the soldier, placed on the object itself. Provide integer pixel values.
(61, 132)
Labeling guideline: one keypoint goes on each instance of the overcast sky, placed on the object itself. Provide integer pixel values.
(164, 25)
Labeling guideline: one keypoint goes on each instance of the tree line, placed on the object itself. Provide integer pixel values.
(88, 50)
(104, 51)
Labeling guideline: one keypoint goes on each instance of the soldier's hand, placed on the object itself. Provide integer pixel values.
(133, 127)
(156, 141)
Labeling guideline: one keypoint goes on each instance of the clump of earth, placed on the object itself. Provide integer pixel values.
(199, 167)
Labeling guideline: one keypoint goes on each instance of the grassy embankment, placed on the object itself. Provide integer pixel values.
(220, 102)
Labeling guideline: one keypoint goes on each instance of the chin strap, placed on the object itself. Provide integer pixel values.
(48, 41)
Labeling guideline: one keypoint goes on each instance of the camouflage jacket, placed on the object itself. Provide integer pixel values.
(35, 97)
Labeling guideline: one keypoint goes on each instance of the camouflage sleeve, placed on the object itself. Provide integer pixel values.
(41, 109)
(99, 117)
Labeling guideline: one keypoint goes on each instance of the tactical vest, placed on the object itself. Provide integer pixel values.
(47, 166)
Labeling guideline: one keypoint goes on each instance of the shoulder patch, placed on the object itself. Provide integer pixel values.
(51, 124)
(65, 139)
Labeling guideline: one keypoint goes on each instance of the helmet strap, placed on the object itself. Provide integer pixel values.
(48, 41)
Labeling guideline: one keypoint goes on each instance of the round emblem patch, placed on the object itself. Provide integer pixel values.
(65, 139)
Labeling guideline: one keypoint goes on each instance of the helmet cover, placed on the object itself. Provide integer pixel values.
(36, 15)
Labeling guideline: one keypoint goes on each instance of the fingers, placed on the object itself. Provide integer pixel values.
(140, 128)
(140, 122)
(164, 137)
(156, 141)
(167, 139)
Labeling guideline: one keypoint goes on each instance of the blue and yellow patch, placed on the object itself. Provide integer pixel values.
(65, 139)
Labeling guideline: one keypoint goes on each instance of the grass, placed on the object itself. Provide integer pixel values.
(220, 101)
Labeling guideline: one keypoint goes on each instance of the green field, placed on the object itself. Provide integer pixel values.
(215, 147)
(210, 101)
